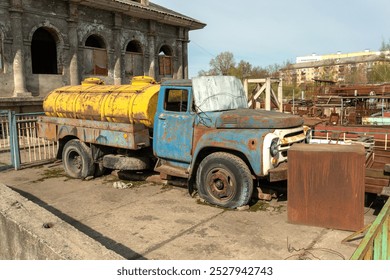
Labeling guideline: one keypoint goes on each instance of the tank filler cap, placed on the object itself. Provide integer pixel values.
(141, 80)
(92, 81)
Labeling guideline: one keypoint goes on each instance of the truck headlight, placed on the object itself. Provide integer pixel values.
(273, 149)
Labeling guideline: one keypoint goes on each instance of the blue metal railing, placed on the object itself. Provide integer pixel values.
(19, 140)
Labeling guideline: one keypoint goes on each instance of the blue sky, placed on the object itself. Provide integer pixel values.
(274, 31)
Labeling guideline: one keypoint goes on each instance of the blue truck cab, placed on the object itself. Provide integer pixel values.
(204, 131)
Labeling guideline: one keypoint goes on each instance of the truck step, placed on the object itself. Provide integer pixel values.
(172, 171)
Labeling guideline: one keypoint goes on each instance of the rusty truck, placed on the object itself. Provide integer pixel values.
(200, 129)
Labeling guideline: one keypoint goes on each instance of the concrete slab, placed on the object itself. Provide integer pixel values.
(152, 221)
(29, 232)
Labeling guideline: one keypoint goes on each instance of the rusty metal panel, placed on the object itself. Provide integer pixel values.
(47, 130)
(120, 135)
(377, 180)
(218, 93)
(326, 185)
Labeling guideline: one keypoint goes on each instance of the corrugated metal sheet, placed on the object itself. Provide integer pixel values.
(218, 93)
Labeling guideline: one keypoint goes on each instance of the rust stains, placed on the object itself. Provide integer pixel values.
(252, 144)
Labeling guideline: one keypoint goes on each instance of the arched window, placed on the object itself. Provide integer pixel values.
(134, 62)
(165, 61)
(94, 41)
(134, 46)
(95, 60)
(44, 52)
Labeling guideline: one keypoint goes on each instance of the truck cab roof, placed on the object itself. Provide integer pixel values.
(177, 82)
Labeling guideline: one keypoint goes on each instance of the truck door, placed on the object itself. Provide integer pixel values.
(173, 129)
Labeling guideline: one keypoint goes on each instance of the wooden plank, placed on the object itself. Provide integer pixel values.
(388, 237)
(385, 240)
(376, 173)
(373, 189)
(366, 249)
(378, 245)
(257, 94)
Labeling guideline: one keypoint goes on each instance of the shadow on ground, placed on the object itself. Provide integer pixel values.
(109, 243)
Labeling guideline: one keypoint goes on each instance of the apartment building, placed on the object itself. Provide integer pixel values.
(338, 68)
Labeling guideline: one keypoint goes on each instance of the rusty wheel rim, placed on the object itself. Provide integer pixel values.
(221, 184)
(76, 162)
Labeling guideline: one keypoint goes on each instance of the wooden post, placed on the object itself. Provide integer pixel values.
(268, 94)
(280, 95)
(266, 85)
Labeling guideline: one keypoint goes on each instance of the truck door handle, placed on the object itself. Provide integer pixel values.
(161, 118)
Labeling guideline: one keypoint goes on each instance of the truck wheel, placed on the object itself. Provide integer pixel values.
(77, 159)
(225, 180)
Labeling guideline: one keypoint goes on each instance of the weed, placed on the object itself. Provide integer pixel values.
(51, 173)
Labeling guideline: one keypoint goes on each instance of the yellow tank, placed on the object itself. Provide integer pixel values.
(92, 100)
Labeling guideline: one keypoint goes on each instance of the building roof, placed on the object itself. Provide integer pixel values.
(151, 11)
(338, 61)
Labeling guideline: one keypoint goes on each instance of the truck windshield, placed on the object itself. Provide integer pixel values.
(218, 93)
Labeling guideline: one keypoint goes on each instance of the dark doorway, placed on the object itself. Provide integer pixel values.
(44, 52)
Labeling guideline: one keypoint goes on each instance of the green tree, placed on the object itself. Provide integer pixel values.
(380, 72)
(259, 72)
(273, 70)
(243, 70)
(222, 64)
(385, 46)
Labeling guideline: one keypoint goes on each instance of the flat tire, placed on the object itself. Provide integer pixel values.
(225, 180)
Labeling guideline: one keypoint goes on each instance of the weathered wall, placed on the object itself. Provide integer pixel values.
(41, 83)
(24, 237)
(6, 76)
(70, 25)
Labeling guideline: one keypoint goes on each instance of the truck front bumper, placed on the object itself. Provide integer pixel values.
(278, 173)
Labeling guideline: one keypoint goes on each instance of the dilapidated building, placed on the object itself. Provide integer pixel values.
(45, 44)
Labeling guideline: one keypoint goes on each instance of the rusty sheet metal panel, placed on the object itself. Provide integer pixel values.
(375, 244)
(326, 185)
(249, 118)
(376, 180)
(120, 135)
(218, 93)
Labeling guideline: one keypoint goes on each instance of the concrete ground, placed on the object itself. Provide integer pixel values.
(163, 222)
